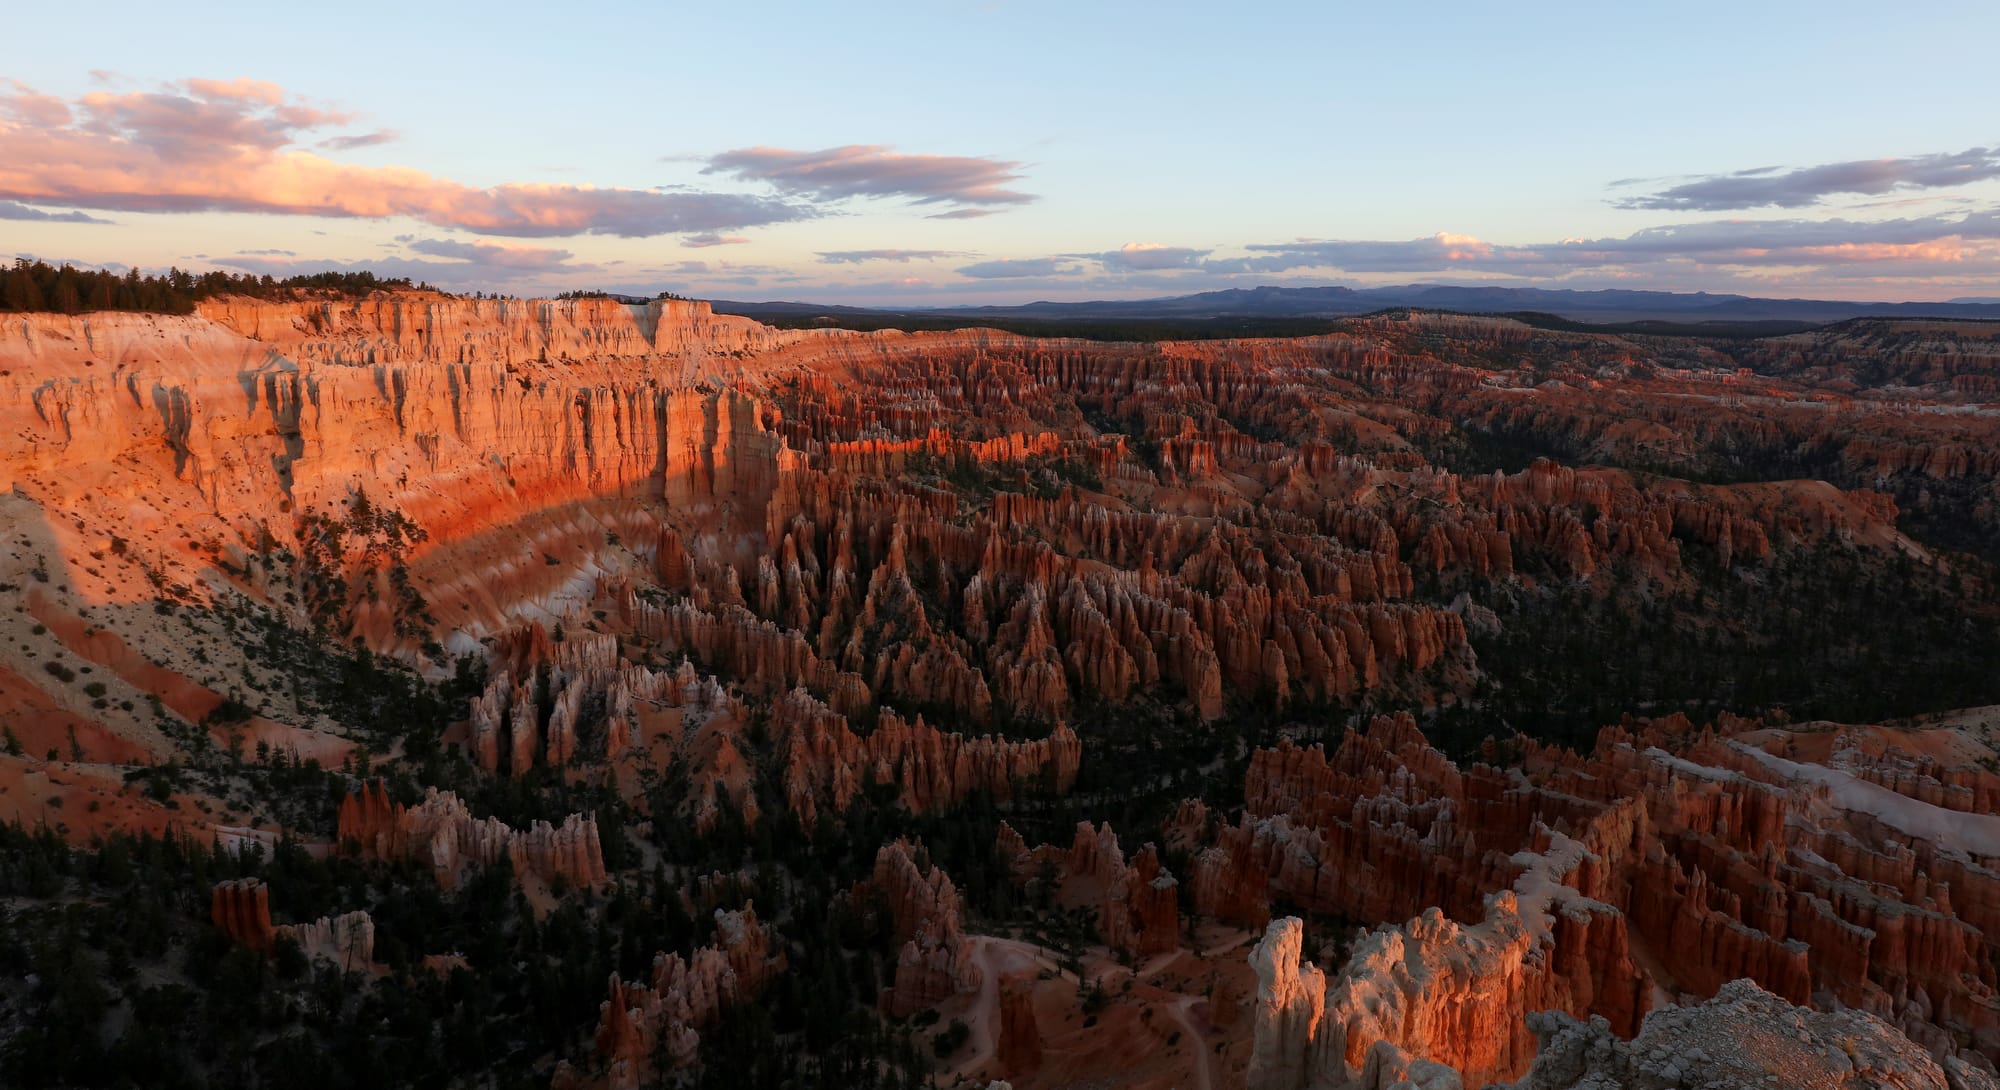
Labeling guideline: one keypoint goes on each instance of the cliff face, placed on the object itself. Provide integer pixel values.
(417, 328)
(461, 412)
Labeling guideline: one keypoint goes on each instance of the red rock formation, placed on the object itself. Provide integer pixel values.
(1266, 566)
(241, 908)
(1230, 881)
(1435, 994)
(640, 1022)
(935, 960)
(834, 522)
(372, 822)
(441, 832)
(1019, 1047)
(826, 762)
(1137, 904)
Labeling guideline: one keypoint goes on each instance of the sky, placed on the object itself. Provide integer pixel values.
(957, 153)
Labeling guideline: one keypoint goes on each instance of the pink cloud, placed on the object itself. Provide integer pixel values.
(254, 90)
(209, 145)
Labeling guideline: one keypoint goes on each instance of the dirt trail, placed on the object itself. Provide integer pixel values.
(1197, 1041)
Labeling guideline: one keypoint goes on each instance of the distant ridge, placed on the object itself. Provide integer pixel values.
(1604, 306)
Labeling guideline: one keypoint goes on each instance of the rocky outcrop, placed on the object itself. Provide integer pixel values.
(1019, 1045)
(1742, 1039)
(1712, 861)
(581, 691)
(346, 941)
(639, 1023)
(1288, 1008)
(1137, 903)
(1230, 881)
(934, 961)
(443, 834)
(826, 762)
(1434, 994)
(241, 909)
(927, 519)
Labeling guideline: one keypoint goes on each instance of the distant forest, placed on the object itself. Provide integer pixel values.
(65, 289)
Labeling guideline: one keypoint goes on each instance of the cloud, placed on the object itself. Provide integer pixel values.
(1807, 186)
(873, 170)
(14, 210)
(856, 257)
(360, 140)
(963, 214)
(1437, 252)
(1148, 257)
(1015, 268)
(710, 238)
(210, 145)
(265, 253)
(491, 255)
(1711, 244)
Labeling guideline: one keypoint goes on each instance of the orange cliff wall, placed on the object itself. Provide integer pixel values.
(459, 412)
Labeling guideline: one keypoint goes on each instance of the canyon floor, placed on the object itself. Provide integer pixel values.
(418, 690)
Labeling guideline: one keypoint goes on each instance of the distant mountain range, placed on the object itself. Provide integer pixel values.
(1608, 307)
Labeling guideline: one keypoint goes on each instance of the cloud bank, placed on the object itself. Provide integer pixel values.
(856, 257)
(210, 145)
(1785, 242)
(1017, 268)
(14, 210)
(1765, 187)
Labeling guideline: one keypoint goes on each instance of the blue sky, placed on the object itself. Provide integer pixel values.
(1001, 152)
